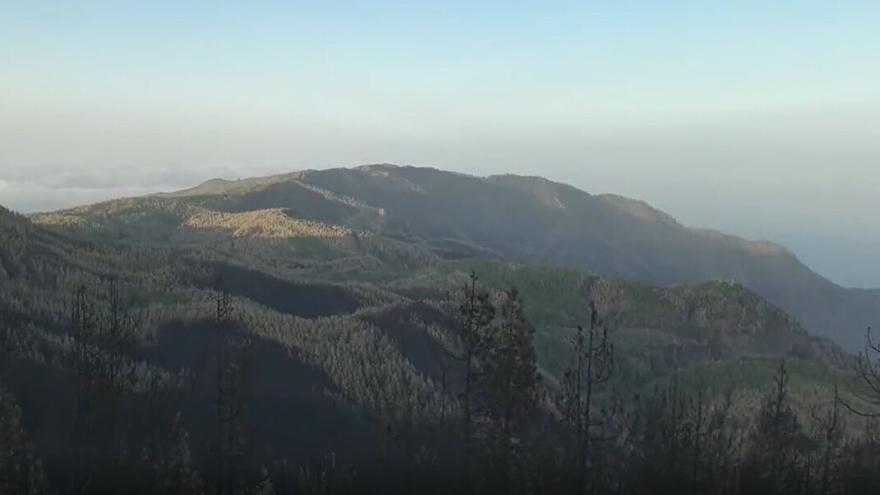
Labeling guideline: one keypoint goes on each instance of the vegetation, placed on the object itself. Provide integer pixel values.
(188, 344)
(526, 219)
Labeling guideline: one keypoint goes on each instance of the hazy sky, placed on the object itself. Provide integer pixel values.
(758, 118)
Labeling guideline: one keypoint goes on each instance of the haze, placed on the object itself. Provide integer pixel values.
(756, 119)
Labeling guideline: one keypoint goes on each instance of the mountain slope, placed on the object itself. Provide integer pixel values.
(535, 220)
(525, 219)
(347, 325)
(657, 329)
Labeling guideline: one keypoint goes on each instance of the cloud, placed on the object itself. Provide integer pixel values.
(28, 196)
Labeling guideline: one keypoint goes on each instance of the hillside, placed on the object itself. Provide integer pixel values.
(347, 325)
(525, 219)
(292, 266)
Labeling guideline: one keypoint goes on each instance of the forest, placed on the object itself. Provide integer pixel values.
(494, 422)
(276, 337)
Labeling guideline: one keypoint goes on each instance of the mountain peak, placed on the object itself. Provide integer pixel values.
(378, 166)
(218, 182)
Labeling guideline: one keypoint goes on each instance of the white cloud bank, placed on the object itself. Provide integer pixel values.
(29, 197)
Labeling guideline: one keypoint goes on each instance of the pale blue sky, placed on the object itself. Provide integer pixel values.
(758, 118)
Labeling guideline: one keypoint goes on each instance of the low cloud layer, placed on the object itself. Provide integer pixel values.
(29, 197)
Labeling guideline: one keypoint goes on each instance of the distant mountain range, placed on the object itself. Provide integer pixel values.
(524, 219)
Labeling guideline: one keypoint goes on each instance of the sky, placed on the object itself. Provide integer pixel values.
(761, 119)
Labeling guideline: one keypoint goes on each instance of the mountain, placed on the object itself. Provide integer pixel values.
(525, 219)
(339, 284)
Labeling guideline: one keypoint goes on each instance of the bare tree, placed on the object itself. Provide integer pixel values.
(593, 365)
(116, 336)
(867, 388)
(830, 427)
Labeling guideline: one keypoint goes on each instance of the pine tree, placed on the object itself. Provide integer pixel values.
(510, 382)
(473, 314)
(20, 471)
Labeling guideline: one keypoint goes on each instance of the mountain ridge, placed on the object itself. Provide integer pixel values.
(636, 207)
